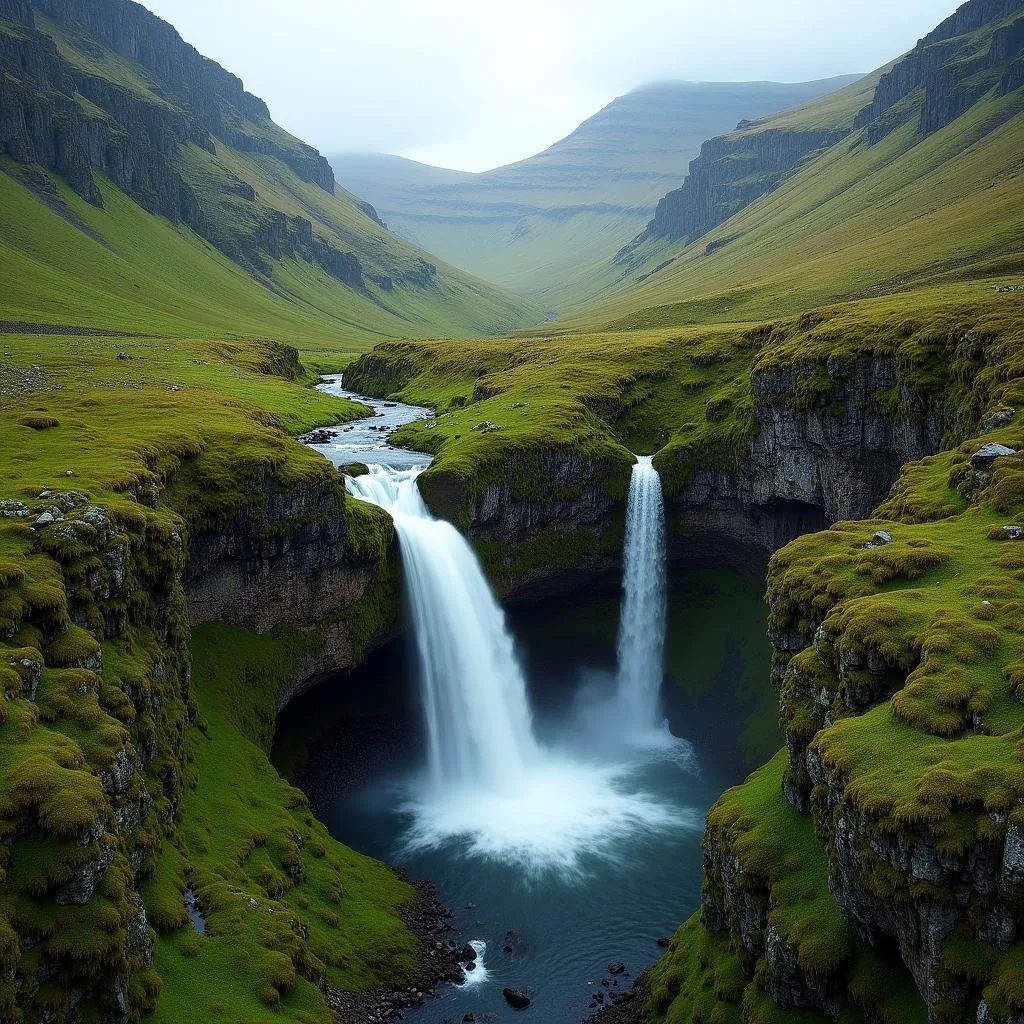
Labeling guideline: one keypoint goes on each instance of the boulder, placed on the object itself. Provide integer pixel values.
(988, 453)
(516, 998)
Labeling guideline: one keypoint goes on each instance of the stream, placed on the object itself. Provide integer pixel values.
(500, 753)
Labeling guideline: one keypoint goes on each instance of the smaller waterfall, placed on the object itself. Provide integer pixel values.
(642, 625)
(479, 729)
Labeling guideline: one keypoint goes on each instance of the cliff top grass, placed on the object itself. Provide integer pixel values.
(193, 422)
(687, 393)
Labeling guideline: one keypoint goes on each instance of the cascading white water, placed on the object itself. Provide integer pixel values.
(491, 785)
(642, 624)
(474, 695)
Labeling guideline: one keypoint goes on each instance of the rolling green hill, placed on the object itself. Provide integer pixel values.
(546, 226)
(911, 176)
(145, 190)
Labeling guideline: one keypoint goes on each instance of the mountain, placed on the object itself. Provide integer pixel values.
(543, 225)
(909, 176)
(145, 189)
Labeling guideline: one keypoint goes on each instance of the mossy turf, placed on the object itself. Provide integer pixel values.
(710, 977)
(286, 906)
(687, 394)
(120, 754)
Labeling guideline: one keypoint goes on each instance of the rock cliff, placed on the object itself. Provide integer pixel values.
(977, 51)
(60, 107)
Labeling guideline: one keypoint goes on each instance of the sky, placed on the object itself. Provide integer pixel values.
(475, 84)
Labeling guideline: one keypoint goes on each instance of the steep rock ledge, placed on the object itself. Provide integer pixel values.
(293, 556)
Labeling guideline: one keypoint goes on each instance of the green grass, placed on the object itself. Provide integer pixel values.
(195, 422)
(322, 910)
(857, 220)
(708, 976)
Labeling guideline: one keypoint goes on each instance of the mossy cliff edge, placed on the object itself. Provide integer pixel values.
(133, 735)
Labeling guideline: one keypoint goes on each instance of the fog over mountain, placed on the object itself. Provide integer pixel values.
(475, 86)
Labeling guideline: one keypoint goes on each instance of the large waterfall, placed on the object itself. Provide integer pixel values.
(474, 695)
(491, 787)
(642, 625)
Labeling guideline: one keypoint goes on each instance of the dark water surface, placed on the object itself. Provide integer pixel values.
(355, 741)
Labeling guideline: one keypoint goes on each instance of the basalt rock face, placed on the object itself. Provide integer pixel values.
(544, 521)
(816, 454)
(979, 50)
(287, 558)
(979, 47)
(728, 175)
(64, 113)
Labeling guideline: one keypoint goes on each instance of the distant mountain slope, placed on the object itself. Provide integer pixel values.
(543, 225)
(101, 99)
(910, 176)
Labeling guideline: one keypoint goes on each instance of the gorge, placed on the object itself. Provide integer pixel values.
(734, 725)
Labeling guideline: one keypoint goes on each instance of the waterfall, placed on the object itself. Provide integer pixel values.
(642, 625)
(474, 696)
(491, 789)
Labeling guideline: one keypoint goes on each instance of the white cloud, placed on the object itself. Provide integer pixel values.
(474, 85)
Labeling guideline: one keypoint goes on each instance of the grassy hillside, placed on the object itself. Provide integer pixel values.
(224, 225)
(896, 203)
(546, 226)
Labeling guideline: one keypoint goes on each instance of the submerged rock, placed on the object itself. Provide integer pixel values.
(516, 998)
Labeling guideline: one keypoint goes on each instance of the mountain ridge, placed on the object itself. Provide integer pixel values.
(542, 225)
(109, 92)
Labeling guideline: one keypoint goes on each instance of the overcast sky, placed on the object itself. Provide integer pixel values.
(478, 83)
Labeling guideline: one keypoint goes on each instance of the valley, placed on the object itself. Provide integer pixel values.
(351, 611)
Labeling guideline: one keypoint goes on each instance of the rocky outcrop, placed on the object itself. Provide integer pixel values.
(729, 174)
(99, 818)
(216, 98)
(57, 114)
(949, 70)
(826, 442)
(543, 520)
(288, 558)
(977, 50)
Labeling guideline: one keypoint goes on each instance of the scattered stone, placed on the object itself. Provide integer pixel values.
(1002, 289)
(123, 356)
(253, 903)
(70, 472)
(45, 519)
(878, 540)
(997, 419)
(487, 427)
(469, 965)
(1013, 532)
(664, 941)
(321, 436)
(468, 1018)
(520, 405)
(468, 954)
(13, 509)
(516, 998)
(598, 996)
(616, 967)
(988, 453)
